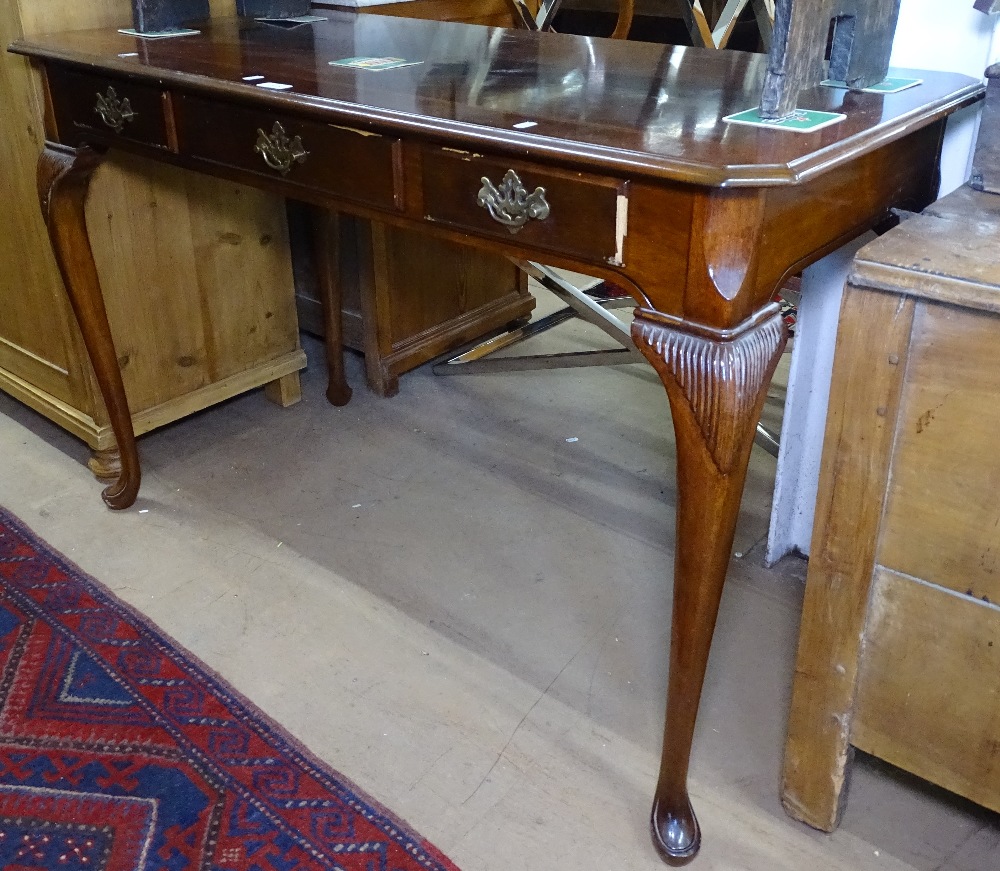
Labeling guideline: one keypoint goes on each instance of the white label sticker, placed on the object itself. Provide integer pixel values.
(274, 86)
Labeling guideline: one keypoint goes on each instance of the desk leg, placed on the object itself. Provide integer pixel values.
(326, 245)
(63, 180)
(716, 385)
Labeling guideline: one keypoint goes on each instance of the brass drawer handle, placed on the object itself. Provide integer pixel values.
(511, 204)
(278, 150)
(114, 112)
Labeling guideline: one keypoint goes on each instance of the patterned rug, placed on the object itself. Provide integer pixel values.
(121, 752)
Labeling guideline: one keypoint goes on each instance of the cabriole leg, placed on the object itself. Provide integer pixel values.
(716, 384)
(63, 180)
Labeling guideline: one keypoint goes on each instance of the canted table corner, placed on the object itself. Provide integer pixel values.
(605, 157)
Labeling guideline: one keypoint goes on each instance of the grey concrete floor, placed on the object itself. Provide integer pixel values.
(468, 614)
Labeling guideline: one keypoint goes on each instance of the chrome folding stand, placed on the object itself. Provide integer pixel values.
(586, 303)
(702, 33)
(542, 20)
(718, 37)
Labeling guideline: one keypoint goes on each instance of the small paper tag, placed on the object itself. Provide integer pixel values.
(274, 86)
(375, 63)
(891, 85)
(282, 23)
(799, 121)
(524, 125)
(299, 19)
(158, 34)
(254, 78)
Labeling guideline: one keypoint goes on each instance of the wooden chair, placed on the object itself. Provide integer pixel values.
(692, 12)
(718, 36)
(542, 20)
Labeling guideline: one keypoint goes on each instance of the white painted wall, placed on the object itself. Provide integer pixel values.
(933, 35)
(947, 35)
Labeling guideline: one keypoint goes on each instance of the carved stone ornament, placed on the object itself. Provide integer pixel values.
(279, 150)
(114, 112)
(511, 204)
(720, 380)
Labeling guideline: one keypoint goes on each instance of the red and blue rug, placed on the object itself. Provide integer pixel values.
(121, 752)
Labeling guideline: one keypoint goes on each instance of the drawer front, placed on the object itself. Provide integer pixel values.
(89, 107)
(576, 214)
(347, 163)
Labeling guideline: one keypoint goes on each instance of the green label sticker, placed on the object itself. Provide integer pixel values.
(799, 121)
(375, 63)
(891, 85)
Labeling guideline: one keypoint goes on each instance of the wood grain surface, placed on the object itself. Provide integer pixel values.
(151, 227)
(864, 399)
(927, 696)
(900, 626)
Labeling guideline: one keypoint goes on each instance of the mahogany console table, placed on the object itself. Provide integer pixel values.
(606, 157)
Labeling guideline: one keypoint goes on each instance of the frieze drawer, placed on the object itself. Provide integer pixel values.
(579, 215)
(106, 109)
(348, 163)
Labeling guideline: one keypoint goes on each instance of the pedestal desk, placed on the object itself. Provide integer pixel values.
(605, 157)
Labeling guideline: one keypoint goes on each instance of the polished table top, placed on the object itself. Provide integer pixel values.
(650, 109)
